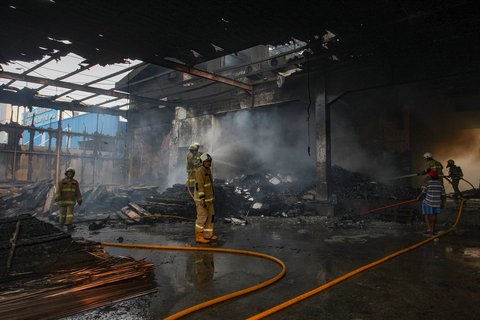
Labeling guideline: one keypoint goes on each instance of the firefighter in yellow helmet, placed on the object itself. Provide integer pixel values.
(68, 193)
(204, 197)
(193, 162)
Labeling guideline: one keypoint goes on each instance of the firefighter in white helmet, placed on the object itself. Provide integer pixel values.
(68, 193)
(204, 197)
(432, 164)
(193, 162)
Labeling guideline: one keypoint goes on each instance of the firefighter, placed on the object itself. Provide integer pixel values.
(432, 164)
(68, 192)
(455, 173)
(204, 197)
(193, 162)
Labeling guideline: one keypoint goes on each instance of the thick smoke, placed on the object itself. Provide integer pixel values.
(462, 146)
(255, 141)
(370, 136)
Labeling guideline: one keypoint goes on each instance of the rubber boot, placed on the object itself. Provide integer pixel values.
(209, 233)
(199, 237)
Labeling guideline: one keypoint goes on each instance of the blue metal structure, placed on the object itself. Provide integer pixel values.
(85, 123)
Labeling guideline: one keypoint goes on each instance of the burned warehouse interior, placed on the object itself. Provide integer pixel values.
(239, 159)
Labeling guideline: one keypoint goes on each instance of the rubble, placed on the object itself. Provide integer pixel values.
(354, 185)
(262, 194)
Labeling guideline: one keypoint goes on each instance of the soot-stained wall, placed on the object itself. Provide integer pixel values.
(266, 139)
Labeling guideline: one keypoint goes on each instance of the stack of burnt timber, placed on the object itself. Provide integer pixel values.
(45, 274)
(27, 197)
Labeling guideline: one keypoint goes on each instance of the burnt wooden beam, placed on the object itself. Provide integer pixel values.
(13, 243)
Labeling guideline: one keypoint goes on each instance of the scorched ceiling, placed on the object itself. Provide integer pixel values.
(427, 33)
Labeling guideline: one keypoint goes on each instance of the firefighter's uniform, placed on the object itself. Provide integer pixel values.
(68, 193)
(434, 165)
(204, 197)
(456, 174)
(193, 163)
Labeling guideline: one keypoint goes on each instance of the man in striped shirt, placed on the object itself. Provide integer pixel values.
(433, 195)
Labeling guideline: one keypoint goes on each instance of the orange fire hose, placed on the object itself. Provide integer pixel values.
(209, 303)
(354, 272)
(278, 276)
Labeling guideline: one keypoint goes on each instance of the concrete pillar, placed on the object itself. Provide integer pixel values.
(173, 156)
(323, 155)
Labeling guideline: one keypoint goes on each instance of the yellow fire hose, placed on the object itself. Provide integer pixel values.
(353, 273)
(278, 276)
(209, 303)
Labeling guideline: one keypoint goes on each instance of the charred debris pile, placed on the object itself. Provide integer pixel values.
(248, 195)
(354, 185)
(24, 197)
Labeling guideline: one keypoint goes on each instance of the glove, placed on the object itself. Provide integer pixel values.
(79, 202)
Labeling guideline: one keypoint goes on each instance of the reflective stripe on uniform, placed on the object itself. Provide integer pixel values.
(198, 227)
(68, 190)
(203, 199)
(207, 185)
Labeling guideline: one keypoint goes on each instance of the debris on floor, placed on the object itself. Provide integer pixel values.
(50, 273)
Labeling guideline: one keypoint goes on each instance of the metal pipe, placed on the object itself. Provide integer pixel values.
(15, 147)
(59, 149)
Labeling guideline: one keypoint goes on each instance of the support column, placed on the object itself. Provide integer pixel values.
(174, 145)
(323, 155)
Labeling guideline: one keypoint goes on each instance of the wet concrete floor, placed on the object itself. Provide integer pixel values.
(440, 280)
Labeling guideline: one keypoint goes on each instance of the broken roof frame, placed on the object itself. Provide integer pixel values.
(79, 105)
(86, 87)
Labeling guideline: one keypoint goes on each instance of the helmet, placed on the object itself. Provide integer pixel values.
(205, 157)
(70, 169)
(427, 155)
(450, 163)
(194, 146)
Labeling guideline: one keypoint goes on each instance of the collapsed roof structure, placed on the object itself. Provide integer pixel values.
(180, 55)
